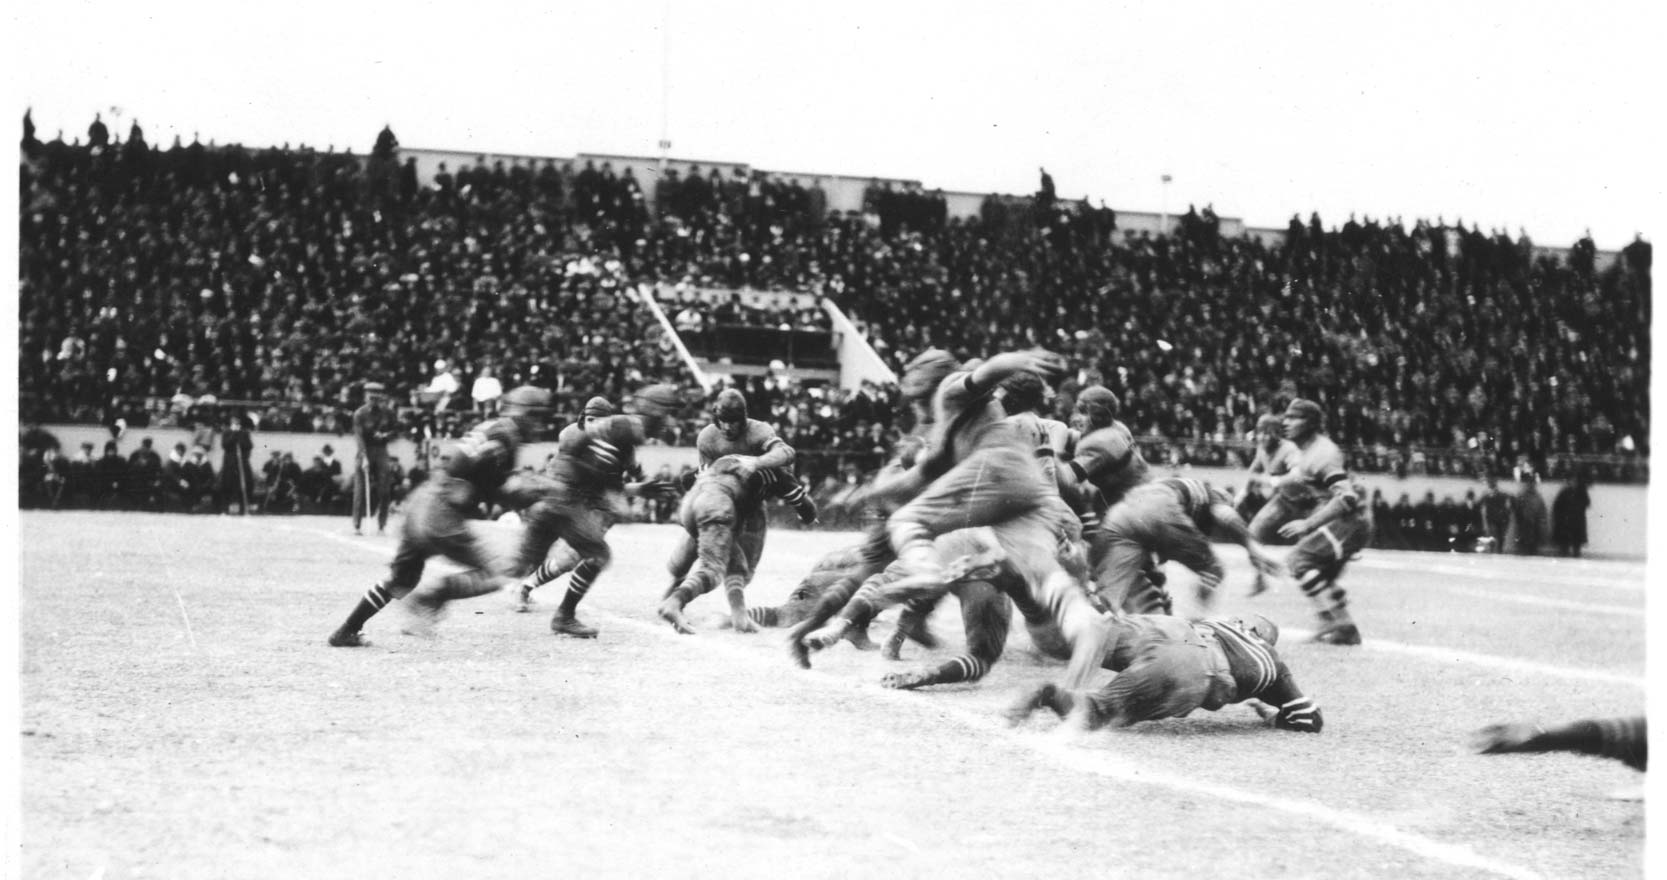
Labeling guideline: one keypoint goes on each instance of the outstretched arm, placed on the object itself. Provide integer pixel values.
(987, 375)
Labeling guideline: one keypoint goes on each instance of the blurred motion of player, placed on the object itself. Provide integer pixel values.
(733, 432)
(1167, 667)
(725, 494)
(572, 440)
(1273, 458)
(437, 515)
(978, 470)
(1318, 506)
(1623, 739)
(585, 495)
(1170, 519)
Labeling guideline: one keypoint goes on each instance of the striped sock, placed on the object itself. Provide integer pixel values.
(579, 584)
(374, 600)
(545, 573)
(963, 668)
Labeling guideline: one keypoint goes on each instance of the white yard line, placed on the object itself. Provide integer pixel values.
(1081, 760)
(1546, 572)
(1511, 664)
(1568, 604)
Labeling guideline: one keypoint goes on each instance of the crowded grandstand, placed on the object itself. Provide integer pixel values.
(172, 286)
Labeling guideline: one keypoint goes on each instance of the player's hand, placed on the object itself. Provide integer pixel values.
(1499, 739)
(655, 488)
(849, 500)
(1296, 528)
(1043, 362)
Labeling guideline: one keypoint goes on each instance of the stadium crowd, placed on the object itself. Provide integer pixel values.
(160, 286)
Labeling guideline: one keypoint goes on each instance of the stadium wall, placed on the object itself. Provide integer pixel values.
(1615, 523)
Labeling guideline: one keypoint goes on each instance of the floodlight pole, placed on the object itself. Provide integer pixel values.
(665, 85)
(1163, 206)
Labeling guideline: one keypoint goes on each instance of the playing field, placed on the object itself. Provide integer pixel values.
(182, 718)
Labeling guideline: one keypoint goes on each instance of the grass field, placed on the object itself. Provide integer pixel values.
(182, 718)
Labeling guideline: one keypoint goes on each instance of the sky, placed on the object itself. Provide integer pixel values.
(1510, 115)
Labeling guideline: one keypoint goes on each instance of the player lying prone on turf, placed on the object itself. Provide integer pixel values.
(1167, 667)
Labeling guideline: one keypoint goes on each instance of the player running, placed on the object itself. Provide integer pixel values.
(1317, 505)
(437, 515)
(1273, 457)
(585, 496)
(1170, 519)
(572, 440)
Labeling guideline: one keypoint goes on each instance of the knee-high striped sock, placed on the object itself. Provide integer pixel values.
(965, 667)
(698, 582)
(1329, 600)
(579, 584)
(375, 599)
(546, 572)
(766, 616)
(735, 590)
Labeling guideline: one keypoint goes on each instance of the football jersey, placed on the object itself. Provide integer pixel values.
(758, 439)
(1109, 459)
(1315, 473)
(1251, 661)
(599, 454)
(1049, 437)
(1272, 464)
(1196, 499)
(485, 457)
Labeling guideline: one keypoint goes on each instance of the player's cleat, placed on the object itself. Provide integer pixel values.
(523, 599)
(340, 639)
(568, 625)
(905, 681)
(1043, 695)
(1338, 634)
(421, 617)
(1259, 585)
(913, 627)
(671, 611)
(828, 636)
(800, 654)
(858, 637)
(358, 531)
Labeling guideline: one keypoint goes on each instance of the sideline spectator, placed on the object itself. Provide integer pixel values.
(144, 478)
(1496, 510)
(1530, 516)
(1568, 517)
(237, 475)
